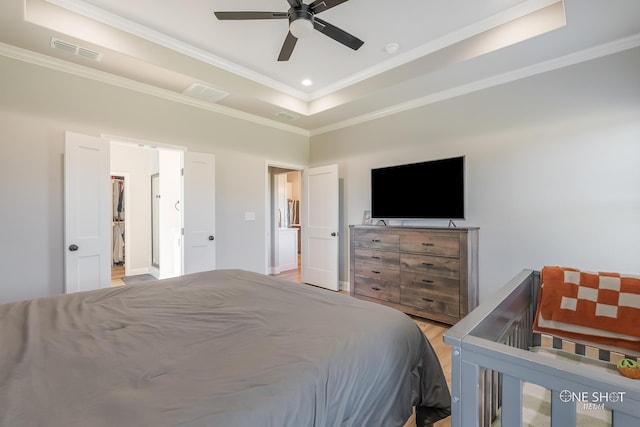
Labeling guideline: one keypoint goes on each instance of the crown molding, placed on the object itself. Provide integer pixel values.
(510, 76)
(82, 8)
(472, 30)
(104, 77)
(616, 46)
(146, 33)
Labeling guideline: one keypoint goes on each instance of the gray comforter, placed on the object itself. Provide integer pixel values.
(223, 348)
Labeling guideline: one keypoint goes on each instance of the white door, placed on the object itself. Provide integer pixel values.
(170, 236)
(199, 212)
(87, 223)
(319, 215)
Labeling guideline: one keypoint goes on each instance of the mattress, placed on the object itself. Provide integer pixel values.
(221, 348)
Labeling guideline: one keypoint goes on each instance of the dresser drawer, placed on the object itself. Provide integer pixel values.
(436, 266)
(429, 300)
(430, 287)
(432, 244)
(438, 296)
(376, 257)
(376, 288)
(373, 239)
(378, 272)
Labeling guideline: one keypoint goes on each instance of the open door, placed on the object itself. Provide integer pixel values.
(319, 215)
(88, 213)
(87, 205)
(199, 212)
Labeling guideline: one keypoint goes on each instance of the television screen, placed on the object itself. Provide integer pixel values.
(432, 189)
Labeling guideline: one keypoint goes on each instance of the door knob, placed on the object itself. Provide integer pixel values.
(211, 237)
(334, 234)
(73, 248)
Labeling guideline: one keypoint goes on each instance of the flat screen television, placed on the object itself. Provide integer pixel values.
(432, 189)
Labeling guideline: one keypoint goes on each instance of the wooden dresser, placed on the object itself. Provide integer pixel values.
(426, 272)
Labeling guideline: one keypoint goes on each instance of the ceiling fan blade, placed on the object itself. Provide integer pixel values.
(287, 47)
(295, 3)
(322, 5)
(337, 34)
(237, 16)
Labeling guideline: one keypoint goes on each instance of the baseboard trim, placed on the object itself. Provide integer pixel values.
(274, 270)
(344, 286)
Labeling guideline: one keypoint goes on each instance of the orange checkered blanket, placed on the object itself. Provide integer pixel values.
(593, 307)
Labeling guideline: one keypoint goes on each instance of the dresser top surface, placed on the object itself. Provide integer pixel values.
(411, 227)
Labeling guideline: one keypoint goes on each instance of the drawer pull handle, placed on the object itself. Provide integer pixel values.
(376, 257)
(375, 288)
(428, 244)
(427, 264)
(375, 272)
(375, 240)
(427, 299)
(427, 281)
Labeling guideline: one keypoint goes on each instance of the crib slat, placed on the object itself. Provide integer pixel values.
(496, 395)
(511, 401)
(487, 391)
(563, 414)
(470, 412)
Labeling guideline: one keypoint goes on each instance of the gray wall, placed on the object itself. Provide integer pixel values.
(551, 166)
(38, 105)
(553, 175)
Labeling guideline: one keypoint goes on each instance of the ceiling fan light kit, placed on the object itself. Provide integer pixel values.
(301, 28)
(302, 21)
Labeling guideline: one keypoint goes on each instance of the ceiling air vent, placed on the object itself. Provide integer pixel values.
(287, 116)
(205, 93)
(75, 50)
(89, 54)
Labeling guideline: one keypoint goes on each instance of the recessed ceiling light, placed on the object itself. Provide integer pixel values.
(391, 48)
(307, 82)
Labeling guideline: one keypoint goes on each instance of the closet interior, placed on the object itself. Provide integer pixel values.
(118, 231)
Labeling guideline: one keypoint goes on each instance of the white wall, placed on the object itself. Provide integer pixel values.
(38, 105)
(552, 164)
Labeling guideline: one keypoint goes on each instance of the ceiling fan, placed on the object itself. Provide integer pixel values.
(302, 22)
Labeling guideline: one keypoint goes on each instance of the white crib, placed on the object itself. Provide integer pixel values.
(491, 364)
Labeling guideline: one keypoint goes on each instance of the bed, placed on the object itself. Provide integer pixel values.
(501, 366)
(221, 348)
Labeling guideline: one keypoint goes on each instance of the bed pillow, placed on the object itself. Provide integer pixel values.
(600, 308)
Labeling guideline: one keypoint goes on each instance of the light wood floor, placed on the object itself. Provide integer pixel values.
(434, 332)
(117, 272)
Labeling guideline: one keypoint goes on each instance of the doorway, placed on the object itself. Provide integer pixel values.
(319, 223)
(118, 226)
(149, 214)
(286, 218)
(284, 187)
(88, 211)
